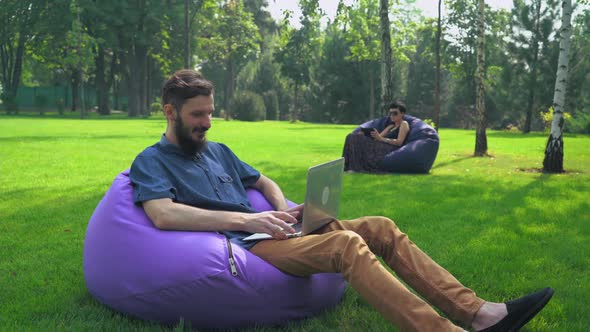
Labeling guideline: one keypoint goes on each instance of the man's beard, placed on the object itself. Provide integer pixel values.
(185, 140)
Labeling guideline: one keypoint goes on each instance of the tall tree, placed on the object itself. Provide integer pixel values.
(17, 29)
(420, 85)
(230, 39)
(481, 141)
(187, 35)
(404, 20)
(532, 27)
(297, 50)
(77, 31)
(338, 92)
(191, 7)
(136, 24)
(460, 59)
(553, 161)
(577, 96)
(436, 113)
(362, 20)
(267, 27)
(386, 58)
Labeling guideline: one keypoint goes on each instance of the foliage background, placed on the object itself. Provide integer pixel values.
(114, 55)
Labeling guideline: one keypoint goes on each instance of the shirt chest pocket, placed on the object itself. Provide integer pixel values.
(226, 184)
(225, 179)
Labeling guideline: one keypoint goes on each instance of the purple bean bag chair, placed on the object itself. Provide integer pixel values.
(134, 268)
(418, 153)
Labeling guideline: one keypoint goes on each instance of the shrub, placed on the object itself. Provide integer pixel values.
(547, 118)
(271, 101)
(10, 103)
(155, 107)
(248, 106)
(41, 102)
(429, 122)
(579, 123)
(60, 105)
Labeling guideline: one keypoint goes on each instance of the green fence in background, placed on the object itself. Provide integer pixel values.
(59, 96)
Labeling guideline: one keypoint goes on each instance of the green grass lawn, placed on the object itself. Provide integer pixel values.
(501, 228)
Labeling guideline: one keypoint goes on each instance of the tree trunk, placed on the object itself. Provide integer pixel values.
(133, 89)
(102, 91)
(17, 70)
(142, 61)
(436, 113)
(75, 89)
(553, 162)
(371, 92)
(136, 62)
(295, 103)
(66, 95)
(229, 88)
(81, 93)
(111, 83)
(534, 65)
(530, 105)
(481, 141)
(116, 103)
(136, 82)
(187, 33)
(148, 86)
(386, 60)
(12, 68)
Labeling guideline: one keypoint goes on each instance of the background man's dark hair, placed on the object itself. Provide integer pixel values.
(183, 85)
(399, 105)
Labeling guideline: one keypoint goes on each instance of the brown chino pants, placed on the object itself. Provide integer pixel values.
(350, 247)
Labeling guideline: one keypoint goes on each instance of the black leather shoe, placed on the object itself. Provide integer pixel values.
(521, 311)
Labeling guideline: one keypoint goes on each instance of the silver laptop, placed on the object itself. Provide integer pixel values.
(322, 198)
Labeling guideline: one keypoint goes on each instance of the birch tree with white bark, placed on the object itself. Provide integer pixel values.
(553, 162)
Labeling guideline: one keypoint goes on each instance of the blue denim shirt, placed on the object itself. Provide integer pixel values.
(214, 179)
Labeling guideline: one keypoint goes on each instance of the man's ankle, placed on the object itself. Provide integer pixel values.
(489, 314)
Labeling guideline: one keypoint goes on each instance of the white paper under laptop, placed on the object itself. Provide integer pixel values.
(322, 198)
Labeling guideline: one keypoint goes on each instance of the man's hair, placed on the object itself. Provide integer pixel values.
(183, 85)
(399, 105)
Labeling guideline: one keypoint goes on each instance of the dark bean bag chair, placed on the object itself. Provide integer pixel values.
(418, 153)
(165, 276)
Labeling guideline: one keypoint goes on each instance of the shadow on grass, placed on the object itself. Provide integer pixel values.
(70, 138)
(536, 134)
(470, 212)
(76, 116)
(451, 162)
(320, 126)
(508, 134)
(487, 232)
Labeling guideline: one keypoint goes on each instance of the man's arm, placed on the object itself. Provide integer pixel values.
(168, 215)
(272, 192)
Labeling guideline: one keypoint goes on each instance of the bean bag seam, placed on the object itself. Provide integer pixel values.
(156, 290)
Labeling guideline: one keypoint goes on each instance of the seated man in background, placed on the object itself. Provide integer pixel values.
(186, 183)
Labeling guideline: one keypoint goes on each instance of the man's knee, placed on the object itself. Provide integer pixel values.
(378, 224)
(347, 240)
(386, 222)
